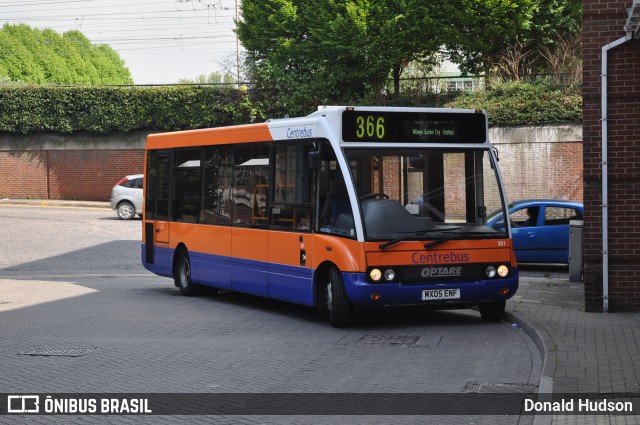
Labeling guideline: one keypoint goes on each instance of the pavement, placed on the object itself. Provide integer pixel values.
(583, 353)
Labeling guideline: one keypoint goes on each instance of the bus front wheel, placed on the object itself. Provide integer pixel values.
(182, 275)
(338, 303)
(492, 311)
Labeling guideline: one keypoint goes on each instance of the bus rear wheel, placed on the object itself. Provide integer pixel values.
(492, 311)
(182, 275)
(339, 305)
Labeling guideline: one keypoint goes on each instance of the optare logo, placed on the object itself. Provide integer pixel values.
(23, 404)
(442, 271)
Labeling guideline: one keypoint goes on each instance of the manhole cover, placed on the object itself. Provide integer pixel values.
(489, 387)
(390, 340)
(60, 351)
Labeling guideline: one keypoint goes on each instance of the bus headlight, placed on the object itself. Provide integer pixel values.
(503, 271)
(490, 271)
(375, 275)
(389, 275)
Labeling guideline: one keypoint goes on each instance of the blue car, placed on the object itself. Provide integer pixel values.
(540, 228)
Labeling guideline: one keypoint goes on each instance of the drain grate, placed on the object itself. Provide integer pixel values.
(389, 340)
(59, 351)
(377, 340)
(489, 387)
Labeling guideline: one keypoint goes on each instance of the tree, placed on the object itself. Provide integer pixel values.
(302, 53)
(318, 51)
(508, 37)
(44, 56)
(214, 77)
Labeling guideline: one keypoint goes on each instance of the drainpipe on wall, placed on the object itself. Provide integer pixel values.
(605, 172)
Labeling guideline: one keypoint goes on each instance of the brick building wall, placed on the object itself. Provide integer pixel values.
(602, 24)
(536, 162)
(541, 161)
(78, 167)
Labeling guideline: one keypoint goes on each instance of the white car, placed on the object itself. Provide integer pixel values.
(126, 196)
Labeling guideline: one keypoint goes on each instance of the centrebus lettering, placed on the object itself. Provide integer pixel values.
(299, 133)
(439, 257)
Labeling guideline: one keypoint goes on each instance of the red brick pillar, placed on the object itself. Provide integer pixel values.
(603, 23)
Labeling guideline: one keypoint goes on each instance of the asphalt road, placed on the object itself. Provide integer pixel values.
(71, 283)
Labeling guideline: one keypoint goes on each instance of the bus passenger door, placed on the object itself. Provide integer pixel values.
(290, 273)
(156, 214)
(162, 212)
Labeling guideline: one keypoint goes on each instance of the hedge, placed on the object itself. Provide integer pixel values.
(518, 103)
(27, 109)
(102, 109)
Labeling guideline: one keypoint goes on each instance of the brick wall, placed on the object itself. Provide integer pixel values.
(536, 162)
(541, 162)
(602, 24)
(78, 167)
(66, 174)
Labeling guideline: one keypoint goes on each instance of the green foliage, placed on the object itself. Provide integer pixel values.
(518, 103)
(45, 57)
(26, 109)
(303, 53)
(309, 52)
(491, 36)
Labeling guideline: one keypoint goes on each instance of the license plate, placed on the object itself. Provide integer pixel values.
(440, 294)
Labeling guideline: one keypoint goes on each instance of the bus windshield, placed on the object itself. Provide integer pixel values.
(431, 193)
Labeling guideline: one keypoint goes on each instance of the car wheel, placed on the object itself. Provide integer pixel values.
(126, 210)
(339, 305)
(492, 311)
(182, 275)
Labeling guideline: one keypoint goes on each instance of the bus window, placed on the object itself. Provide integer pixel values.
(152, 185)
(448, 187)
(251, 186)
(335, 215)
(291, 209)
(164, 173)
(218, 175)
(187, 186)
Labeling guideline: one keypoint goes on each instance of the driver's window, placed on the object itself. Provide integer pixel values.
(335, 215)
(526, 217)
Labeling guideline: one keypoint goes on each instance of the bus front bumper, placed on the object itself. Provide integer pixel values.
(365, 294)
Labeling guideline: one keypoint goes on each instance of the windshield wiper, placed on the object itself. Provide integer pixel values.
(412, 235)
(466, 235)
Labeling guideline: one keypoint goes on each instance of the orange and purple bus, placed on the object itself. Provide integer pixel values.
(349, 206)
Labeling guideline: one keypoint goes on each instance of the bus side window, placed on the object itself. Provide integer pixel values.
(187, 186)
(251, 186)
(291, 208)
(218, 175)
(334, 215)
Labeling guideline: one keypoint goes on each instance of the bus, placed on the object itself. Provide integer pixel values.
(349, 207)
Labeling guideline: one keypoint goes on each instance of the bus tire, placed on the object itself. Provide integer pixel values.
(339, 305)
(492, 311)
(182, 275)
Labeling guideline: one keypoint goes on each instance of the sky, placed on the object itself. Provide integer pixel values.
(160, 41)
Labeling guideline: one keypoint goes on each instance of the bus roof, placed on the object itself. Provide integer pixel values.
(288, 128)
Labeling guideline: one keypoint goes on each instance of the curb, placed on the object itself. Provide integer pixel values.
(54, 203)
(545, 344)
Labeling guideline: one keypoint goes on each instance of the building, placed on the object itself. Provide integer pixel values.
(612, 174)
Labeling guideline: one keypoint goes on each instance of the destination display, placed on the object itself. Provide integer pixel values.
(403, 127)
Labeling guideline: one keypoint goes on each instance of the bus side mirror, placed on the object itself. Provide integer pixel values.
(315, 161)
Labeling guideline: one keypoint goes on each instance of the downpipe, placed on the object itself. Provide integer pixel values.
(605, 172)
